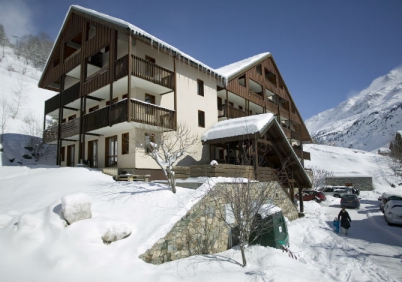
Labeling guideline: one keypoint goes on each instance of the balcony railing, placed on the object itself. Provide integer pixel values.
(69, 95)
(302, 154)
(152, 115)
(100, 118)
(232, 112)
(68, 129)
(149, 71)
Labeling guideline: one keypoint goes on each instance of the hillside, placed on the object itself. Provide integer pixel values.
(21, 110)
(367, 121)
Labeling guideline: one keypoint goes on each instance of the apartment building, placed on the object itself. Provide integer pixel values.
(112, 79)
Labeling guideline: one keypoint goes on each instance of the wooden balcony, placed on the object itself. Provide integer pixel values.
(69, 95)
(152, 72)
(68, 129)
(105, 117)
(232, 112)
(302, 154)
(150, 114)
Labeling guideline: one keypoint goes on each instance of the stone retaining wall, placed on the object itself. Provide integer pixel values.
(203, 230)
(363, 183)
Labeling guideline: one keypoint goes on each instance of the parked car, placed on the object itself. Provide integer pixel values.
(312, 195)
(327, 190)
(339, 191)
(350, 201)
(385, 197)
(393, 212)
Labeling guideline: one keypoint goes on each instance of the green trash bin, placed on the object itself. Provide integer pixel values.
(270, 230)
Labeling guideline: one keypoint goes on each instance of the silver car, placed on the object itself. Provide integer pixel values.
(393, 212)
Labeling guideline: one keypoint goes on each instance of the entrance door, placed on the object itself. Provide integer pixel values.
(71, 155)
(93, 153)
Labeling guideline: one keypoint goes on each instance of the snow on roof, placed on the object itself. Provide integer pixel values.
(138, 31)
(237, 127)
(236, 67)
(224, 72)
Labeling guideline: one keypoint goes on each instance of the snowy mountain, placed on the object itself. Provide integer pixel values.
(367, 121)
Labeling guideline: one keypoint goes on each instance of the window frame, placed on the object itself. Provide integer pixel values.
(125, 143)
(201, 119)
(200, 87)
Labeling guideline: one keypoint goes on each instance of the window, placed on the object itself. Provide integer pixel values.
(148, 140)
(240, 108)
(150, 99)
(125, 141)
(201, 119)
(269, 76)
(111, 151)
(93, 153)
(114, 100)
(93, 109)
(242, 80)
(125, 96)
(259, 69)
(72, 117)
(200, 87)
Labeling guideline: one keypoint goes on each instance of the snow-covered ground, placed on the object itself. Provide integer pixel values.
(36, 246)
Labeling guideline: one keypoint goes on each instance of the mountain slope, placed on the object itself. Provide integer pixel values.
(366, 121)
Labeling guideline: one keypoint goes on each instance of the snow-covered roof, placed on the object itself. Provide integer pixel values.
(238, 127)
(224, 72)
(236, 67)
(138, 31)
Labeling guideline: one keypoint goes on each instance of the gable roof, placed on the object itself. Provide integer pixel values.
(243, 126)
(258, 126)
(232, 69)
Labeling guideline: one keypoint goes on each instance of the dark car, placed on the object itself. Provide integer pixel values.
(312, 195)
(350, 201)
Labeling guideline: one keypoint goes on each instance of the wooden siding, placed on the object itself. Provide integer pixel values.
(277, 88)
(121, 68)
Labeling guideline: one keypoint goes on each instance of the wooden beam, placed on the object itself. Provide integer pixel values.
(69, 108)
(95, 98)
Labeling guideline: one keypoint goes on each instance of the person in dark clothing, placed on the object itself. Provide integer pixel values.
(345, 220)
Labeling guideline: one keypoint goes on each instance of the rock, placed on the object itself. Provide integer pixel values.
(76, 207)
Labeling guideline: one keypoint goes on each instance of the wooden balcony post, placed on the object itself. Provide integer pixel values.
(129, 71)
(59, 142)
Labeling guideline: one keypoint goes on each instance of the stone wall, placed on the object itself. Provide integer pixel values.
(203, 229)
(363, 183)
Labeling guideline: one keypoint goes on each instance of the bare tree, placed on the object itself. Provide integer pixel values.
(33, 129)
(5, 115)
(246, 204)
(320, 176)
(20, 95)
(166, 148)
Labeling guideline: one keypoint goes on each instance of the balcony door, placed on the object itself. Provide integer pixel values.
(71, 155)
(93, 153)
(111, 151)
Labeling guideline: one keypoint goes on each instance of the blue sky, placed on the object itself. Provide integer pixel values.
(327, 51)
